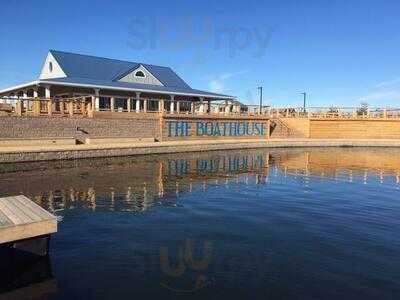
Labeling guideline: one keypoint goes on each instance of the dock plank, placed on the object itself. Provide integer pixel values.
(18, 211)
(4, 207)
(37, 209)
(4, 221)
(21, 218)
(27, 210)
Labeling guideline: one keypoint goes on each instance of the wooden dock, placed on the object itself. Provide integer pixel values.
(22, 219)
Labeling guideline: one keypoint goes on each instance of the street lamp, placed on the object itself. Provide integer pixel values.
(304, 101)
(261, 95)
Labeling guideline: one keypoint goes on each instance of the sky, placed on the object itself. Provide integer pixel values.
(341, 53)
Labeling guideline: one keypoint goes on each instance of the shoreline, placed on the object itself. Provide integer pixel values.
(70, 152)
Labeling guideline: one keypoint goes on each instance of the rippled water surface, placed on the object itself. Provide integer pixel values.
(254, 224)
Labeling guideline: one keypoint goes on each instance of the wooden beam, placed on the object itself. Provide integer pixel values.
(20, 219)
(112, 104)
(128, 104)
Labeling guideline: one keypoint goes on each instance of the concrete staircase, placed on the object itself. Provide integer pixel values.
(287, 128)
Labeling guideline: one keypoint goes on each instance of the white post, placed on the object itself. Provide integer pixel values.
(96, 99)
(25, 94)
(227, 107)
(47, 92)
(16, 97)
(201, 108)
(137, 102)
(172, 104)
(128, 104)
(35, 93)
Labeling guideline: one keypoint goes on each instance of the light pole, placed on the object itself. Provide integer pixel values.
(304, 101)
(261, 95)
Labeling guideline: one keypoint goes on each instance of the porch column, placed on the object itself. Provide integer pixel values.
(93, 102)
(128, 104)
(201, 108)
(25, 94)
(36, 104)
(172, 107)
(192, 107)
(18, 108)
(49, 106)
(47, 92)
(71, 107)
(145, 105)
(112, 104)
(96, 105)
(227, 107)
(161, 106)
(137, 102)
(178, 107)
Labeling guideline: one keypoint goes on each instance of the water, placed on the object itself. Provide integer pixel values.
(254, 224)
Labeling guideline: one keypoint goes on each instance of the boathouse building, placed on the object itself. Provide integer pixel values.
(113, 85)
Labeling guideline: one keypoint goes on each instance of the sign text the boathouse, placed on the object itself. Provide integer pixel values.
(182, 129)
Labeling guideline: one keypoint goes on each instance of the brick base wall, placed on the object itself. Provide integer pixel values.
(45, 127)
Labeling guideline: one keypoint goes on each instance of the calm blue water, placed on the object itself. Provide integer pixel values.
(257, 224)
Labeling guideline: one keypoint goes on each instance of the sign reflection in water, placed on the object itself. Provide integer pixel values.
(136, 184)
(254, 222)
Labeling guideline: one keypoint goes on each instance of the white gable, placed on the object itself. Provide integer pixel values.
(51, 69)
(146, 78)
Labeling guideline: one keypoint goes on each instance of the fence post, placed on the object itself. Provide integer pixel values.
(90, 110)
(83, 106)
(71, 107)
(112, 104)
(36, 107)
(18, 108)
(161, 106)
(49, 107)
(192, 108)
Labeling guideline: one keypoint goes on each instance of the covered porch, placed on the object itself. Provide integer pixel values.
(40, 99)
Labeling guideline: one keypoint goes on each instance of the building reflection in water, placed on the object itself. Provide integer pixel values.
(136, 184)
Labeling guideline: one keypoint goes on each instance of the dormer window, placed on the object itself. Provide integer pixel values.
(50, 67)
(140, 74)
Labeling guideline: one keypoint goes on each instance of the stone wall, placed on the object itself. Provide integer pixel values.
(45, 127)
(355, 129)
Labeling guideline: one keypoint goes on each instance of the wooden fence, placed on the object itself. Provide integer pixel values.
(83, 106)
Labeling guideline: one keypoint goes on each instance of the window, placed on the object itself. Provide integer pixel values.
(152, 105)
(104, 103)
(140, 74)
(50, 67)
(121, 104)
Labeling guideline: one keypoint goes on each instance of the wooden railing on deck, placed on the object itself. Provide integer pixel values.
(82, 106)
(39, 106)
(334, 113)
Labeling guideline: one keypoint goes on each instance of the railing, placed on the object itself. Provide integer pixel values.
(41, 106)
(335, 113)
(83, 106)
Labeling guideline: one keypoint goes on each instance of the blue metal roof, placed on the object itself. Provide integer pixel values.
(132, 86)
(99, 68)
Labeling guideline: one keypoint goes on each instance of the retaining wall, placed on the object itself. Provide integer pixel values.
(49, 127)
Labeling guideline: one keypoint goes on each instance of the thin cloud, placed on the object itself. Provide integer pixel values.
(393, 95)
(388, 83)
(218, 84)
